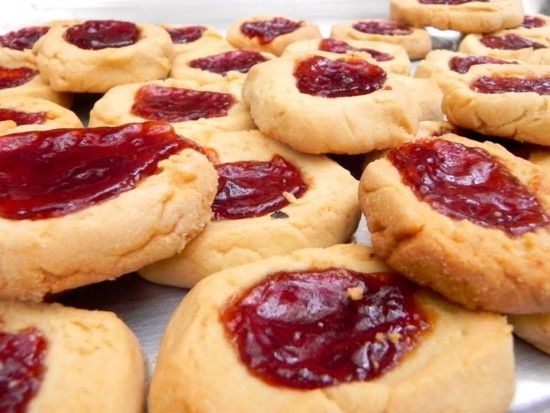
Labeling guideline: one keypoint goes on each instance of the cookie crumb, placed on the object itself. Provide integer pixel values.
(380, 337)
(279, 214)
(394, 337)
(289, 197)
(355, 293)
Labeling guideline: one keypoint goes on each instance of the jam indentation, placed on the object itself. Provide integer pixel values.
(501, 84)
(386, 28)
(23, 118)
(510, 42)
(533, 22)
(23, 38)
(341, 47)
(267, 30)
(187, 34)
(101, 34)
(13, 77)
(223, 63)
(463, 64)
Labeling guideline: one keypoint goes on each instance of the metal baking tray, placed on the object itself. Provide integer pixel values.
(147, 307)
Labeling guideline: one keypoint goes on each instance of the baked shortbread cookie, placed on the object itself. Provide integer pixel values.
(80, 209)
(415, 41)
(510, 101)
(270, 34)
(476, 227)
(96, 55)
(533, 328)
(321, 338)
(31, 112)
(16, 46)
(390, 57)
(534, 25)
(327, 103)
(321, 209)
(195, 37)
(466, 16)
(56, 359)
(427, 95)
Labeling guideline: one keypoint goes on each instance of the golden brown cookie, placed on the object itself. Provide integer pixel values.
(427, 95)
(191, 38)
(533, 328)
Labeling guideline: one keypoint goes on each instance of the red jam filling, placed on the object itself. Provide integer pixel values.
(532, 22)
(487, 84)
(22, 368)
(509, 42)
(386, 28)
(53, 173)
(15, 77)
(188, 34)
(24, 38)
(451, 2)
(340, 46)
(101, 34)
(23, 118)
(172, 104)
(223, 63)
(462, 182)
(267, 30)
(463, 64)
(323, 77)
(250, 189)
(313, 329)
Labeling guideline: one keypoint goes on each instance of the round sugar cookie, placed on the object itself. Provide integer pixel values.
(189, 38)
(426, 94)
(534, 25)
(16, 46)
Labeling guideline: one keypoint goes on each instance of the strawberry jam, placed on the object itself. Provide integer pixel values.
(15, 77)
(187, 34)
(509, 42)
(23, 118)
(340, 46)
(101, 34)
(24, 38)
(250, 189)
(223, 63)
(487, 84)
(172, 104)
(463, 64)
(462, 182)
(323, 77)
(53, 173)
(532, 22)
(451, 2)
(267, 30)
(386, 28)
(318, 328)
(22, 368)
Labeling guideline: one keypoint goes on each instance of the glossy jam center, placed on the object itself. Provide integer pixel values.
(53, 173)
(22, 368)
(462, 182)
(223, 63)
(340, 46)
(323, 77)
(15, 77)
(314, 329)
(24, 38)
(267, 30)
(532, 22)
(23, 118)
(387, 28)
(188, 34)
(487, 84)
(451, 2)
(253, 188)
(463, 64)
(100, 34)
(510, 42)
(171, 104)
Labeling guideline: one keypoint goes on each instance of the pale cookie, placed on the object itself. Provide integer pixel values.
(390, 57)
(468, 354)
(321, 124)
(16, 46)
(533, 328)
(326, 214)
(70, 68)
(427, 95)
(190, 38)
(415, 41)
(522, 116)
(90, 361)
(477, 266)
(270, 34)
(469, 17)
(537, 25)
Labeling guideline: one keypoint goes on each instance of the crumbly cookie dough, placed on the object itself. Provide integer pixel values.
(533, 328)
(93, 361)
(210, 39)
(524, 117)
(427, 95)
(473, 17)
(476, 266)
(313, 124)
(68, 68)
(325, 215)
(468, 354)
(417, 44)
(308, 30)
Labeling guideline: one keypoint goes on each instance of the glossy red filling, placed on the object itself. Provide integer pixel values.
(15, 77)
(462, 182)
(509, 42)
(487, 84)
(387, 28)
(463, 64)
(223, 63)
(323, 77)
(249, 189)
(312, 329)
(267, 30)
(340, 46)
(532, 22)
(451, 2)
(172, 104)
(22, 368)
(100, 34)
(53, 173)
(23, 118)
(188, 34)
(24, 38)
